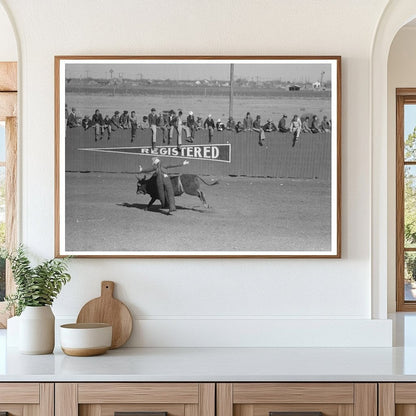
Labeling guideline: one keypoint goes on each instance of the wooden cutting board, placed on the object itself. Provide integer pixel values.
(107, 309)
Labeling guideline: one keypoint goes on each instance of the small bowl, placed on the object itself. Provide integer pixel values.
(84, 340)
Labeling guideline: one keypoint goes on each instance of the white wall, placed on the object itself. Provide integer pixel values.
(196, 302)
(401, 74)
(8, 47)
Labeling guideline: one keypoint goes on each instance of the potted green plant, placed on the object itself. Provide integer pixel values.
(36, 289)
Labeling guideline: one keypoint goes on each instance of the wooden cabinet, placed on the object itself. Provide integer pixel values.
(107, 399)
(397, 399)
(208, 399)
(267, 399)
(27, 399)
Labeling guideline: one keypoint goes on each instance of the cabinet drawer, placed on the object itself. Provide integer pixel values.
(19, 393)
(297, 399)
(397, 399)
(140, 409)
(293, 393)
(21, 399)
(138, 393)
(147, 399)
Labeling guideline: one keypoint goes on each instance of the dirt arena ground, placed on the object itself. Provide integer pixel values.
(103, 213)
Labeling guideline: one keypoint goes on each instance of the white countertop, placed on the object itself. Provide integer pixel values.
(215, 364)
(221, 364)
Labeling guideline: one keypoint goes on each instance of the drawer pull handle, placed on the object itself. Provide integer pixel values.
(295, 414)
(140, 414)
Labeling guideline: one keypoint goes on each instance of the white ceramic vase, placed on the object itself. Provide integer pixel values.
(37, 330)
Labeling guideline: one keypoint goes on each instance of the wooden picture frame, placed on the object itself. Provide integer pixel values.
(271, 193)
(405, 286)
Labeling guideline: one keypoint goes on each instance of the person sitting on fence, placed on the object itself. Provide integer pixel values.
(152, 120)
(248, 122)
(98, 123)
(185, 127)
(171, 127)
(220, 126)
(315, 124)
(295, 128)
(282, 124)
(305, 126)
(72, 119)
(179, 126)
(133, 123)
(199, 123)
(325, 125)
(239, 127)
(107, 126)
(269, 126)
(125, 120)
(115, 121)
(230, 124)
(86, 122)
(162, 124)
(258, 128)
(210, 125)
(191, 123)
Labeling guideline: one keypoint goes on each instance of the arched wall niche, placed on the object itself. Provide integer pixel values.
(396, 15)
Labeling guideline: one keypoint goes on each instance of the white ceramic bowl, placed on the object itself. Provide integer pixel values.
(83, 340)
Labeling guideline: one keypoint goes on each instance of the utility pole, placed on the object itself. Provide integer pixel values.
(231, 107)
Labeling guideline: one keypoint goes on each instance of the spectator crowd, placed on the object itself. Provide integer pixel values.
(169, 122)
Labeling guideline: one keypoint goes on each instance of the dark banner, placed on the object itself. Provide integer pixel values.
(212, 152)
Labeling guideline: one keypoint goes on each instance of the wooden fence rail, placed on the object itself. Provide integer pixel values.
(310, 157)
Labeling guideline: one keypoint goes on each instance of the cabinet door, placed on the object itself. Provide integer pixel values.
(142, 399)
(397, 399)
(297, 399)
(26, 399)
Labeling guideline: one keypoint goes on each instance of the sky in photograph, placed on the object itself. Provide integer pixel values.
(409, 119)
(197, 71)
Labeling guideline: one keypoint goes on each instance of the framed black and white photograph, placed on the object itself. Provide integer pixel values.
(198, 156)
